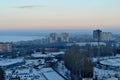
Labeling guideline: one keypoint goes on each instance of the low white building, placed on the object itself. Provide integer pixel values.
(9, 63)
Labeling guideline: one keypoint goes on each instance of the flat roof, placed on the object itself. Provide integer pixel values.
(7, 62)
(111, 62)
(50, 74)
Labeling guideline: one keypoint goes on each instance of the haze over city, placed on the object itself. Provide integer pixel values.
(59, 40)
(59, 14)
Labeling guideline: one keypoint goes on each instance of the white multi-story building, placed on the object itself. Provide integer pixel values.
(64, 37)
(106, 36)
(102, 36)
(53, 38)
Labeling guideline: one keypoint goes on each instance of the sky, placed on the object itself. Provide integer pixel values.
(59, 14)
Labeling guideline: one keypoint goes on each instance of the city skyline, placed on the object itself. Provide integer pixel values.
(59, 14)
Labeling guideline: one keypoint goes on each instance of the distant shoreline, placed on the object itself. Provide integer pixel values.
(12, 38)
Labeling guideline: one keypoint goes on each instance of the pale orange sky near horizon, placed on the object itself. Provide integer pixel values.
(59, 14)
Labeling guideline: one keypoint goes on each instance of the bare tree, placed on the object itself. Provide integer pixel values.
(78, 63)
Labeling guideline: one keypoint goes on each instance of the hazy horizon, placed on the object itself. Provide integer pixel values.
(47, 31)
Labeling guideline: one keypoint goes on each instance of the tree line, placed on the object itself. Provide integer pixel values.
(78, 63)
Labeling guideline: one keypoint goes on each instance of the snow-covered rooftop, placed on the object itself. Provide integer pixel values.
(6, 62)
(38, 55)
(35, 61)
(24, 74)
(111, 62)
(57, 53)
(50, 74)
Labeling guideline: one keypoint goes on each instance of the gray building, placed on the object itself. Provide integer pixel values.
(64, 37)
(53, 38)
(97, 34)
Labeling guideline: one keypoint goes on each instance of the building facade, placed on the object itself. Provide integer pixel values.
(102, 36)
(53, 38)
(5, 47)
(106, 36)
(97, 34)
(64, 37)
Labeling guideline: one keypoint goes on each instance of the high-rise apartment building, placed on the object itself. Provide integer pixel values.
(53, 38)
(97, 34)
(103, 36)
(64, 37)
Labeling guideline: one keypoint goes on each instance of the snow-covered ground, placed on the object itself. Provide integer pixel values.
(32, 69)
(50, 74)
(24, 74)
(63, 70)
(104, 74)
(108, 67)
